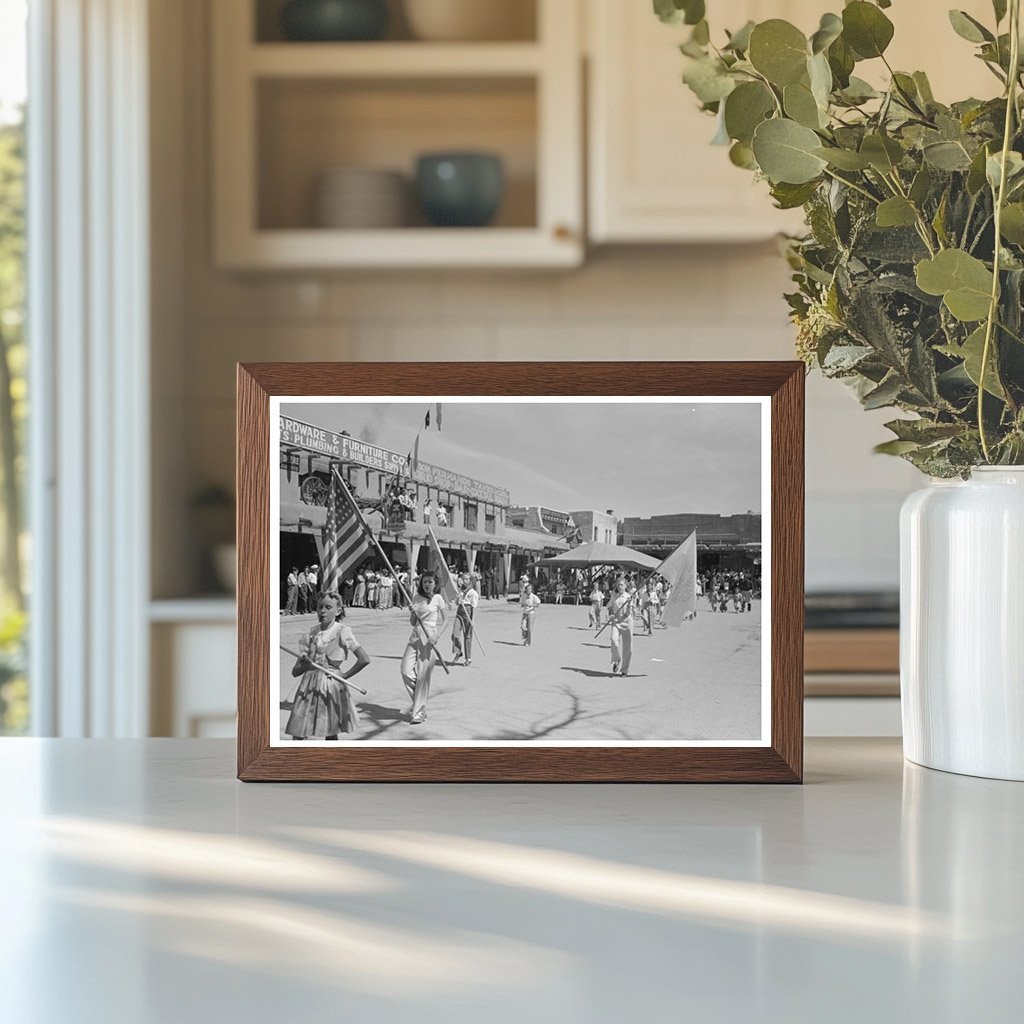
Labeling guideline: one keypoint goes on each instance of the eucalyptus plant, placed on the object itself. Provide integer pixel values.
(910, 278)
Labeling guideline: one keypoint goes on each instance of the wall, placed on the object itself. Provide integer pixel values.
(654, 303)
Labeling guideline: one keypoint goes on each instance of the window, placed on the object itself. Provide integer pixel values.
(470, 517)
(14, 695)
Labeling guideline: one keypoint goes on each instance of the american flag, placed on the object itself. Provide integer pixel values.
(346, 536)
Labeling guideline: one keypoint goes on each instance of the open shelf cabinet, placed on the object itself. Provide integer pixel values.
(285, 113)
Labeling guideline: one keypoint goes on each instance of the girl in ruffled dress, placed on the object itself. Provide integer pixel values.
(323, 707)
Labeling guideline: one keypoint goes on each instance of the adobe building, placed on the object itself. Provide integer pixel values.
(597, 527)
(475, 530)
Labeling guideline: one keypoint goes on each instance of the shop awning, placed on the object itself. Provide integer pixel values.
(588, 556)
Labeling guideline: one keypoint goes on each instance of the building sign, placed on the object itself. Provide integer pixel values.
(297, 434)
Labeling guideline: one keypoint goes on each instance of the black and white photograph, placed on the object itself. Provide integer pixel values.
(527, 571)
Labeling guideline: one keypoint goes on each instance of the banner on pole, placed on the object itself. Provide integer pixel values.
(680, 569)
(445, 584)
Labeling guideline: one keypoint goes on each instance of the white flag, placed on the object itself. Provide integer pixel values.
(680, 569)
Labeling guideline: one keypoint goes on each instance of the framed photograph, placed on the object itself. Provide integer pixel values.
(518, 572)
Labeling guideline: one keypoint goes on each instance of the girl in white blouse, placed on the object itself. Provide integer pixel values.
(427, 616)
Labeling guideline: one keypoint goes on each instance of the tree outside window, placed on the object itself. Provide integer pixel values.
(14, 707)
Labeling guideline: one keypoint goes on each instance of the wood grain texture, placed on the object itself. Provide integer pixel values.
(782, 762)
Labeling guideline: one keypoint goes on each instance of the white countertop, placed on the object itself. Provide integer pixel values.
(143, 884)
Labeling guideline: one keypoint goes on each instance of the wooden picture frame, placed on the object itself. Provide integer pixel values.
(779, 759)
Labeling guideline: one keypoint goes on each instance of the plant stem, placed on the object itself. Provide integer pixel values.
(922, 225)
(850, 184)
(993, 309)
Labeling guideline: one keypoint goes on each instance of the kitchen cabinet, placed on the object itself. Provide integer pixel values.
(653, 175)
(287, 113)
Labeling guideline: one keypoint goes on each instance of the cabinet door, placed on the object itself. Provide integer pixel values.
(285, 114)
(654, 175)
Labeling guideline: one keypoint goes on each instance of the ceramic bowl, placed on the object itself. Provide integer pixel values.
(334, 20)
(460, 189)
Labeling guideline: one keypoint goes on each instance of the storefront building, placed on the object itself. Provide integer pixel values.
(723, 542)
(469, 517)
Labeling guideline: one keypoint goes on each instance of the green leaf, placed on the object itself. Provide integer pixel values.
(741, 155)
(921, 185)
(820, 76)
(896, 447)
(946, 156)
(830, 29)
(778, 50)
(963, 281)
(679, 12)
(785, 152)
(844, 159)
(896, 212)
(976, 174)
(924, 88)
(923, 431)
(800, 105)
(745, 108)
(1014, 169)
(968, 28)
(885, 394)
(971, 352)
(841, 60)
(883, 153)
(866, 29)
(739, 41)
(1012, 223)
(858, 91)
(939, 220)
(789, 197)
(707, 80)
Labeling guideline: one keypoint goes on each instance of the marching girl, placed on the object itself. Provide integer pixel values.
(649, 605)
(620, 617)
(462, 631)
(427, 617)
(529, 602)
(596, 600)
(323, 707)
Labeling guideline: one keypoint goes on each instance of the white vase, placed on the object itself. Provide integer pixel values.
(962, 624)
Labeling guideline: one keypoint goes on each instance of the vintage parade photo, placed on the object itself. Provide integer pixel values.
(544, 571)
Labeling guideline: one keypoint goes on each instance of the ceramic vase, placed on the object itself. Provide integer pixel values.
(962, 624)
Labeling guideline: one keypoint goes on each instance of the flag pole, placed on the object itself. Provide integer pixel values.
(326, 671)
(436, 548)
(391, 569)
